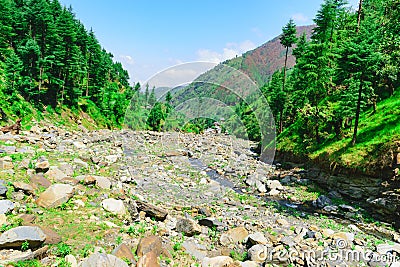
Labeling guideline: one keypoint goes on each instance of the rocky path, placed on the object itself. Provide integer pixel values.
(125, 198)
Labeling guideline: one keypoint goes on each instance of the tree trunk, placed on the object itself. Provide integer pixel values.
(284, 70)
(87, 85)
(359, 15)
(283, 90)
(353, 142)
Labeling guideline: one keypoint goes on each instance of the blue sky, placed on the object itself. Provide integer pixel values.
(149, 36)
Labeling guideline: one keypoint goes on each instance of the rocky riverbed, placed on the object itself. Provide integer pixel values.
(122, 198)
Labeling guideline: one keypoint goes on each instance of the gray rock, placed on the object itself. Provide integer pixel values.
(6, 206)
(249, 264)
(42, 165)
(188, 227)
(260, 186)
(330, 208)
(196, 250)
(274, 184)
(220, 261)
(103, 260)
(257, 238)
(55, 195)
(322, 201)
(14, 237)
(233, 235)
(114, 206)
(152, 211)
(210, 222)
(55, 174)
(3, 190)
(258, 253)
(6, 163)
(103, 182)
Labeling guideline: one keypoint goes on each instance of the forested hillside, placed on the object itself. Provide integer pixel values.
(49, 60)
(341, 76)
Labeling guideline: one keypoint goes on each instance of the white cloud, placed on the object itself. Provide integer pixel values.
(229, 51)
(300, 18)
(126, 59)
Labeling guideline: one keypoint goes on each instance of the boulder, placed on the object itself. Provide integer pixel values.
(103, 260)
(152, 211)
(27, 188)
(14, 237)
(188, 227)
(114, 206)
(55, 195)
(147, 260)
(257, 238)
(40, 180)
(149, 244)
(234, 235)
(124, 252)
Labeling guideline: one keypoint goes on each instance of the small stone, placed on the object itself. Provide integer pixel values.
(89, 179)
(234, 235)
(79, 145)
(151, 210)
(114, 206)
(103, 260)
(205, 211)
(188, 227)
(3, 190)
(258, 253)
(71, 260)
(196, 250)
(27, 218)
(24, 164)
(210, 222)
(103, 182)
(42, 165)
(124, 252)
(257, 238)
(80, 163)
(322, 201)
(149, 244)
(52, 237)
(260, 186)
(6, 206)
(274, 184)
(27, 188)
(55, 174)
(3, 219)
(274, 192)
(40, 180)
(282, 222)
(147, 260)
(220, 261)
(111, 158)
(6, 164)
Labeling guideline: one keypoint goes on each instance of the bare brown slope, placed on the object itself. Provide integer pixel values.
(263, 61)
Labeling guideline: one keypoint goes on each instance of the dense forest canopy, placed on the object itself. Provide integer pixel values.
(48, 58)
